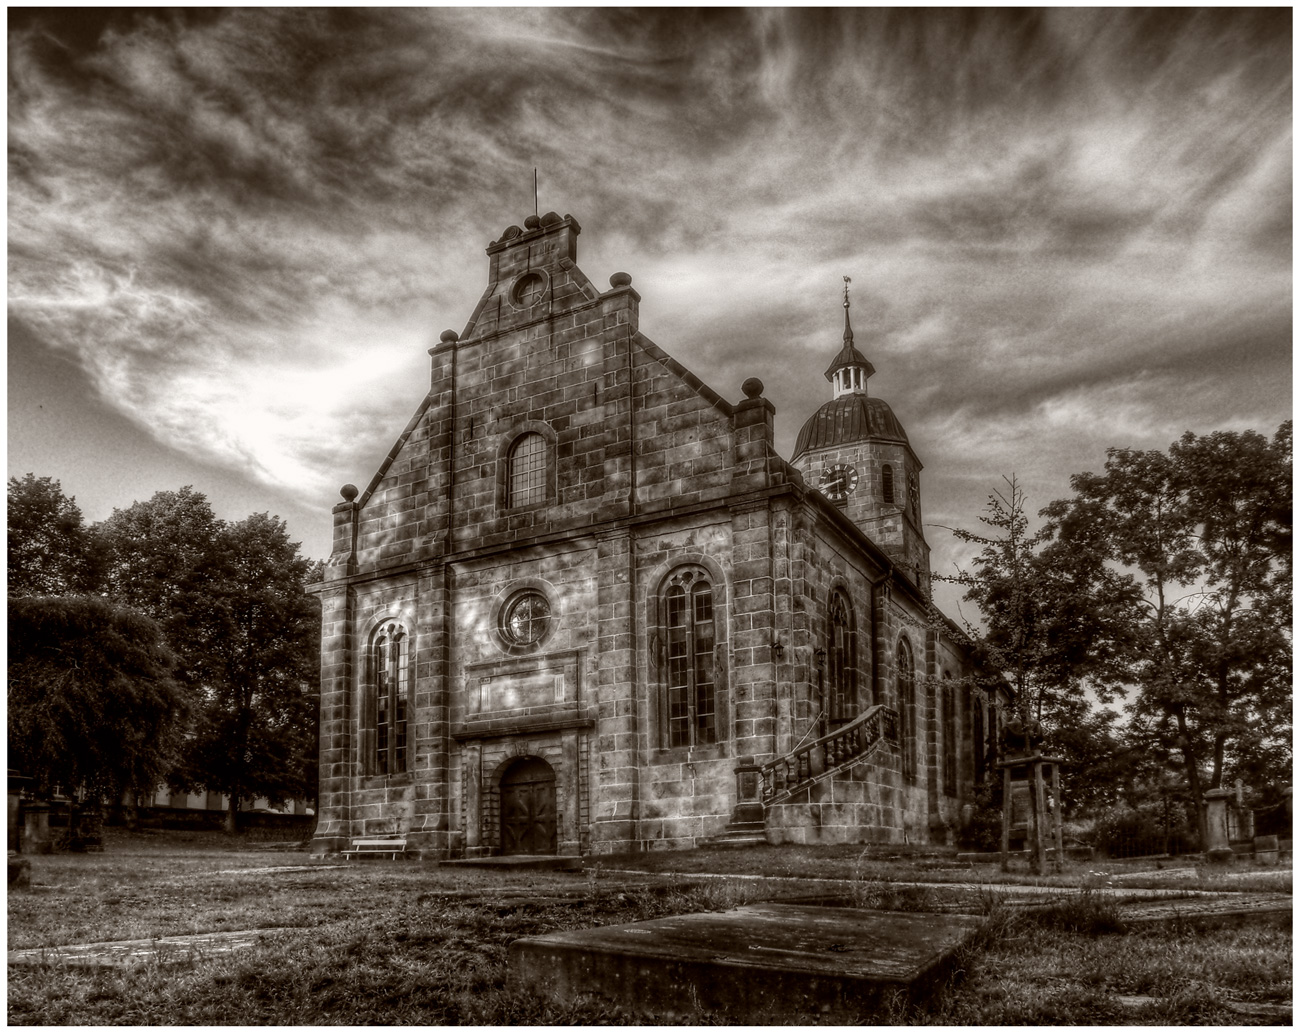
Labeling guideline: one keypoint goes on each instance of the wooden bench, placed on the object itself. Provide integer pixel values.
(377, 847)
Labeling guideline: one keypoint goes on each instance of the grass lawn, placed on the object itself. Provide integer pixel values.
(414, 943)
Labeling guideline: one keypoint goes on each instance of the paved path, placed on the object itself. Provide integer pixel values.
(1009, 889)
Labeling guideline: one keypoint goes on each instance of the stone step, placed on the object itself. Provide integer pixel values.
(545, 862)
(733, 840)
(769, 963)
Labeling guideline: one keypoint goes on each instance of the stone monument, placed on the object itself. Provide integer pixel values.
(1026, 769)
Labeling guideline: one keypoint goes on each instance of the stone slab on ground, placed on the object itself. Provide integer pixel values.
(1228, 910)
(760, 963)
(1280, 1013)
(182, 949)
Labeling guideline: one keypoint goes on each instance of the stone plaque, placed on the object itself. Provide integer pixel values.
(508, 692)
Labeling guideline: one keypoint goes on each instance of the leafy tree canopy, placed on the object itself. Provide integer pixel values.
(1202, 534)
(1041, 607)
(92, 704)
(232, 599)
(50, 551)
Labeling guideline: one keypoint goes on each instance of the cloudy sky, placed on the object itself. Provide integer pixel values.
(234, 234)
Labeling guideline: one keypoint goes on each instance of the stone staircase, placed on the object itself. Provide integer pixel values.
(829, 755)
(808, 763)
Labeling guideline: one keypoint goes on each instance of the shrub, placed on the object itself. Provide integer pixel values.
(1128, 832)
(984, 831)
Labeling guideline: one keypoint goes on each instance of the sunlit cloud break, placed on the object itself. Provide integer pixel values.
(248, 226)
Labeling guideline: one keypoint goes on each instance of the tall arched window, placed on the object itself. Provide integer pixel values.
(907, 708)
(526, 479)
(689, 677)
(841, 656)
(949, 736)
(390, 678)
(887, 483)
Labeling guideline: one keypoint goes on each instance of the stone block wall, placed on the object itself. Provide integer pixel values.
(647, 469)
(865, 804)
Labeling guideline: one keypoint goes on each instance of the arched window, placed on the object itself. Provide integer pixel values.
(887, 483)
(949, 736)
(526, 478)
(907, 708)
(390, 691)
(689, 677)
(841, 655)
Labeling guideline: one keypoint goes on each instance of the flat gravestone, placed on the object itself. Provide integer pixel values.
(760, 963)
(178, 950)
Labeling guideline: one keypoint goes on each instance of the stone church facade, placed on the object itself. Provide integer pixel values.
(583, 605)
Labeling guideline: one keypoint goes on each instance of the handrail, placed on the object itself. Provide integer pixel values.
(811, 726)
(845, 746)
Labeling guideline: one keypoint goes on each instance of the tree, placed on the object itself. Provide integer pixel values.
(1040, 608)
(153, 550)
(232, 603)
(50, 551)
(92, 704)
(257, 658)
(1203, 534)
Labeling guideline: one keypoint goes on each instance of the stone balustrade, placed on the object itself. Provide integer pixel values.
(829, 754)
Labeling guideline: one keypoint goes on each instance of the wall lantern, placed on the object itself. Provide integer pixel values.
(778, 651)
(821, 657)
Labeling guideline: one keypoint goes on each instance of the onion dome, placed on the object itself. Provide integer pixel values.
(849, 419)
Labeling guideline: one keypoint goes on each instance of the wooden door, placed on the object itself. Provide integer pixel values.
(528, 808)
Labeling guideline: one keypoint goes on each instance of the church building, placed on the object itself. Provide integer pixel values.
(584, 606)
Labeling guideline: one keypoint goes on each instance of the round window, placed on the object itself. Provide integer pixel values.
(528, 290)
(526, 619)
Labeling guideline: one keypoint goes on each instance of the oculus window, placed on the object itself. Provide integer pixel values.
(526, 619)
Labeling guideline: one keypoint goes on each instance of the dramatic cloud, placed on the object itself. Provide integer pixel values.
(1066, 229)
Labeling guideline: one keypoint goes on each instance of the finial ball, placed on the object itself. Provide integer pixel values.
(752, 388)
(448, 336)
(348, 492)
(621, 280)
(532, 222)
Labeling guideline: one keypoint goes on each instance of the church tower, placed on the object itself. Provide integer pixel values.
(854, 450)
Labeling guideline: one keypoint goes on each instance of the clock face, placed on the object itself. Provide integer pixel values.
(838, 481)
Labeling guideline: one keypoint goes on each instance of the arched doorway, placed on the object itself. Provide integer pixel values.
(528, 808)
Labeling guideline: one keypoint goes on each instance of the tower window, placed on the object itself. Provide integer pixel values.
(887, 483)
(527, 467)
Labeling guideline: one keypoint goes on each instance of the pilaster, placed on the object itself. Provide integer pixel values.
(617, 789)
(338, 761)
(754, 630)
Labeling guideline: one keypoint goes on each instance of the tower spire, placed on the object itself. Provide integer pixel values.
(849, 372)
(848, 330)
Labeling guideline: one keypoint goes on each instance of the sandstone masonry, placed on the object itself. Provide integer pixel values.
(582, 586)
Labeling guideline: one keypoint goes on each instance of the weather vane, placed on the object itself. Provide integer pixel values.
(847, 281)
